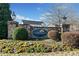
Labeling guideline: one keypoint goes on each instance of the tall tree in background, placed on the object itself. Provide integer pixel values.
(5, 16)
(60, 14)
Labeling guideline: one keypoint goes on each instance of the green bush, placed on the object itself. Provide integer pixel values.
(20, 34)
(71, 39)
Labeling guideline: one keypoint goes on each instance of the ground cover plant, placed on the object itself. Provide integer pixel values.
(23, 46)
(43, 47)
(18, 46)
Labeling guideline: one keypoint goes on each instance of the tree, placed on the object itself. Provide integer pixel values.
(58, 15)
(5, 16)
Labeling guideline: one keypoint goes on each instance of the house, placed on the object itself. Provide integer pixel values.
(70, 26)
(33, 23)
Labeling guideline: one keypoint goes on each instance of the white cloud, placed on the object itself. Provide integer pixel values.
(22, 17)
(19, 18)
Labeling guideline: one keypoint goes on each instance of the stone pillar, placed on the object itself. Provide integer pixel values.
(11, 26)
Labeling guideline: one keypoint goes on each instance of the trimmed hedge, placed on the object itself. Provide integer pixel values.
(54, 35)
(71, 39)
(20, 34)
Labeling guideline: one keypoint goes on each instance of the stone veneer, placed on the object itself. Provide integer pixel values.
(13, 24)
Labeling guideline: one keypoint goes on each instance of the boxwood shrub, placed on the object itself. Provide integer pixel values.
(20, 34)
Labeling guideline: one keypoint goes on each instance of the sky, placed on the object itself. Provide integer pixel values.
(33, 11)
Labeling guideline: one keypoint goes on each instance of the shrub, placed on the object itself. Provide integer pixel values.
(7, 50)
(22, 47)
(31, 47)
(37, 47)
(67, 48)
(20, 34)
(53, 35)
(70, 39)
(61, 47)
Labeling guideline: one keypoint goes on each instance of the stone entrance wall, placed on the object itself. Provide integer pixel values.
(41, 32)
(13, 24)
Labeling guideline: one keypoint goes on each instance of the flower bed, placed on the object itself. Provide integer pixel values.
(24, 47)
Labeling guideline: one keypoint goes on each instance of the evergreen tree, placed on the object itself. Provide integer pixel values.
(5, 16)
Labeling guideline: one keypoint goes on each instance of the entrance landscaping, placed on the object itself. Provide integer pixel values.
(45, 47)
